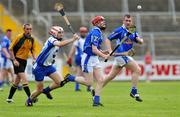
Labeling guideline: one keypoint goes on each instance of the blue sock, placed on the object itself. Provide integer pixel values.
(71, 78)
(96, 99)
(77, 86)
(134, 90)
(46, 90)
(1, 83)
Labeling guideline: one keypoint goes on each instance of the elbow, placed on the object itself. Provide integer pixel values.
(93, 50)
(141, 42)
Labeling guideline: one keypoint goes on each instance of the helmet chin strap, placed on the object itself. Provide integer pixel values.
(60, 39)
(103, 28)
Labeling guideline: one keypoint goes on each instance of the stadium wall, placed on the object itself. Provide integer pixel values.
(161, 70)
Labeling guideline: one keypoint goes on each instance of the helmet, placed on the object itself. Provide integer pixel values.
(54, 30)
(83, 29)
(97, 19)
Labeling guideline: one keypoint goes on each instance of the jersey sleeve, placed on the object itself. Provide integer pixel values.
(14, 42)
(115, 34)
(134, 37)
(52, 40)
(34, 44)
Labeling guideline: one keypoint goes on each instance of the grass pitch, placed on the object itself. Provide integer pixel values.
(160, 99)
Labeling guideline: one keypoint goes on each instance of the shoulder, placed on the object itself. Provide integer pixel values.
(51, 39)
(118, 29)
(96, 31)
(20, 35)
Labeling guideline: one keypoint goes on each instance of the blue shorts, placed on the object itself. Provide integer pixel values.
(41, 71)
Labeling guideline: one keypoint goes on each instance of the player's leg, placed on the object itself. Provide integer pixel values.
(114, 71)
(13, 89)
(1, 74)
(55, 84)
(25, 83)
(1, 80)
(99, 85)
(77, 86)
(134, 67)
(148, 68)
(11, 71)
(35, 93)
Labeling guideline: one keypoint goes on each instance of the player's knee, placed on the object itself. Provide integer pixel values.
(100, 81)
(88, 81)
(39, 88)
(138, 71)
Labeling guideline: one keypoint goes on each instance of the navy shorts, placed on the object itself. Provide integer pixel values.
(41, 71)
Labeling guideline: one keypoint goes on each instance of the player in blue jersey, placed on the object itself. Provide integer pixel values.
(44, 64)
(123, 56)
(77, 50)
(90, 59)
(7, 67)
(1, 64)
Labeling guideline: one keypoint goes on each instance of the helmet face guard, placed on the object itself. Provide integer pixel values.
(55, 30)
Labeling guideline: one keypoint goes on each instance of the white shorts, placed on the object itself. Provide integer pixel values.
(89, 62)
(148, 68)
(122, 60)
(6, 63)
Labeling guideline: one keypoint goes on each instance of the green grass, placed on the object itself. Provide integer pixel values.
(160, 99)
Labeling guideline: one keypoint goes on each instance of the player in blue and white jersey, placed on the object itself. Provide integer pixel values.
(7, 66)
(77, 50)
(123, 54)
(44, 63)
(90, 59)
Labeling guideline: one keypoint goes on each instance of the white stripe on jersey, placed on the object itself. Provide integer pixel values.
(48, 53)
(79, 43)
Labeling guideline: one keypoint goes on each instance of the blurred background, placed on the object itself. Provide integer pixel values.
(157, 21)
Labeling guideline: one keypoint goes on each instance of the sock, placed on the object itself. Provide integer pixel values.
(71, 78)
(96, 99)
(12, 91)
(134, 90)
(1, 83)
(77, 86)
(26, 89)
(46, 90)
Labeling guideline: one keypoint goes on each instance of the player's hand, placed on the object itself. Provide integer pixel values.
(69, 61)
(131, 52)
(33, 61)
(16, 63)
(76, 36)
(106, 56)
(105, 52)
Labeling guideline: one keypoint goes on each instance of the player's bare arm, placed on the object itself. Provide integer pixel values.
(67, 41)
(98, 52)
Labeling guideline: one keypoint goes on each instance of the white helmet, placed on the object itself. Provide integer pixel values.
(54, 30)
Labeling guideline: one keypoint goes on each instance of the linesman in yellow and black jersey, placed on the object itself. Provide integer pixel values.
(20, 48)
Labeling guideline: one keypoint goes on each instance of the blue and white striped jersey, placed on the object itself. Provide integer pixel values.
(79, 46)
(48, 53)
